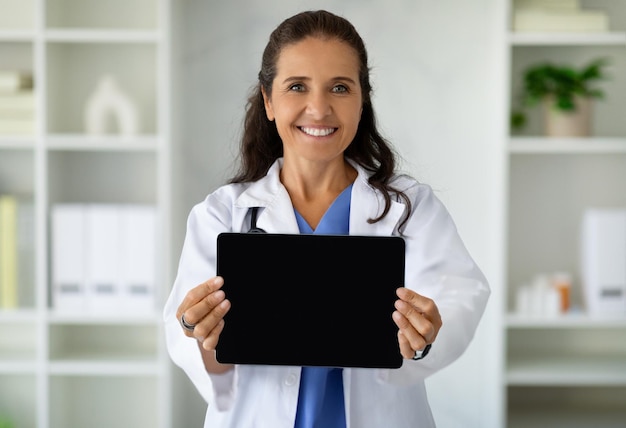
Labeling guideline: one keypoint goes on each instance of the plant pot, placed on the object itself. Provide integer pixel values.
(560, 123)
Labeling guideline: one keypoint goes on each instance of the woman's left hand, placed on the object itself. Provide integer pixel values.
(418, 320)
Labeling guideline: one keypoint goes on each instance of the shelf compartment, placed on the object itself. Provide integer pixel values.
(552, 192)
(98, 345)
(130, 177)
(607, 119)
(118, 14)
(19, 399)
(103, 401)
(565, 407)
(18, 341)
(566, 356)
(75, 70)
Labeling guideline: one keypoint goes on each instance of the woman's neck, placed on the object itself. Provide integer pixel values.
(313, 187)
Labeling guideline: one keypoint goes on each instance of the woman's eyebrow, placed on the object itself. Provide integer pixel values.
(304, 78)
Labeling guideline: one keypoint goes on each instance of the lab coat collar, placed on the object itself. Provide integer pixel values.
(278, 216)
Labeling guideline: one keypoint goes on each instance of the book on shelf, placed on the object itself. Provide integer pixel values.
(17, 126)
(19, 102)
(16, 249)
(103, 259)
(15, 81)
(8, 252)
(557, 16)
(17, 113)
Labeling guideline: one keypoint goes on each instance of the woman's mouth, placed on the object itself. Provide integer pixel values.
(317, 132)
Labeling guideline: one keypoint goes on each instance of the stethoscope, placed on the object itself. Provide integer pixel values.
(253, 228)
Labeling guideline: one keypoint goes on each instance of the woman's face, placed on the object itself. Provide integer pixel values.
(316, 99)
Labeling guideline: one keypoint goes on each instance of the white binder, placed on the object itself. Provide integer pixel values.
(103, 253)
(68, 258)
(604, 261)
(138, 259)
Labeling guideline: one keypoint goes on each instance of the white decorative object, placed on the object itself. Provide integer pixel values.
(109, 103)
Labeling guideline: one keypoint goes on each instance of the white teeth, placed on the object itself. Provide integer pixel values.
(317, 132)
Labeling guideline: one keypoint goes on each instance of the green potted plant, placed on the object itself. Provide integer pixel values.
(566, 94)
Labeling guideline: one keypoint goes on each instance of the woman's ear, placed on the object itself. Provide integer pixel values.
(269, 112)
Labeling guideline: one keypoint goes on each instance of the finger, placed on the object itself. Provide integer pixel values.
(210, 342)
(424, 306)
(421, 303)
(199, 292)
(405, 347)
(204, 328)
(414, 338)
(196, 295)
(417, 320)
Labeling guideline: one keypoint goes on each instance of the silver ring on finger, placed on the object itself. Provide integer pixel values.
(186, 325)
(421, 353)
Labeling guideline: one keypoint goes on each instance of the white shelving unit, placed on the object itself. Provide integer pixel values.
(567, 370)
(74, 371)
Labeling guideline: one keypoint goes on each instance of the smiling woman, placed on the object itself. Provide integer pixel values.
(313, 161)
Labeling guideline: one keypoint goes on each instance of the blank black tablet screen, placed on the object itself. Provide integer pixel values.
(310, 300)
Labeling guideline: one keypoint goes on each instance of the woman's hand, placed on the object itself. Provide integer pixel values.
(204, 308)
(418, 320)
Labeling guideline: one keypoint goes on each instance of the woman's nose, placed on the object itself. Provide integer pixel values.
(318, 105)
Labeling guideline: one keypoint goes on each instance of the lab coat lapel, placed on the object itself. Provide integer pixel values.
(277, 215)
(367, 203)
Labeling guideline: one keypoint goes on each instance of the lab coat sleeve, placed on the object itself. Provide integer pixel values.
(439, 266)
(197, 264)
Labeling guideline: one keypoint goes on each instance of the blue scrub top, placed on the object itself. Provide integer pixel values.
(321, 399)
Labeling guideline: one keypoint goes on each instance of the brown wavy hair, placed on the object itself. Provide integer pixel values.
(261, 145)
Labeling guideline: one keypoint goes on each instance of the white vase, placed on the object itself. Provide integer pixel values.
(109, 110)
(575, 123)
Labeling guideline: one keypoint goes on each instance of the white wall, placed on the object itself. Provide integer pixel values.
(436, 77)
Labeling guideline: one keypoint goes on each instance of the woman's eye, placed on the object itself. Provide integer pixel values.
(298, 87)
(340, 89)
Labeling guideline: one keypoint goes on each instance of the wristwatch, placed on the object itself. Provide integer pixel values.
(421, 354)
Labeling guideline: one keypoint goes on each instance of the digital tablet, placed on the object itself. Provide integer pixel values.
(310, 300)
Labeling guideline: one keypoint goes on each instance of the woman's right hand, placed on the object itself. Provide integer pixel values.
(204, 308)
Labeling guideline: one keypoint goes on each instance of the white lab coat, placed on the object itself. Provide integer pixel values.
(437, 266)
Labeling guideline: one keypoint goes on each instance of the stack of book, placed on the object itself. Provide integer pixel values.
(17, 103)
(17, 252)
(557, 16)
(104, 259)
